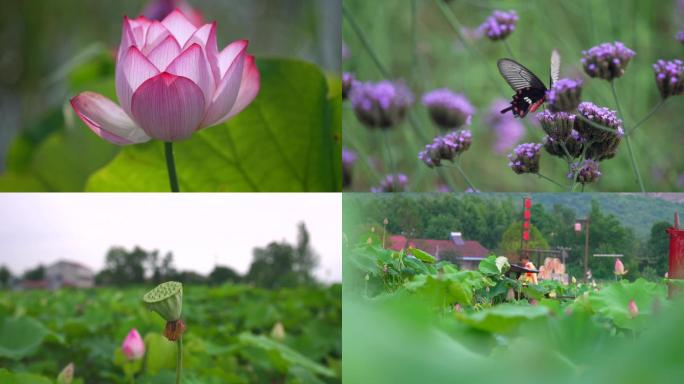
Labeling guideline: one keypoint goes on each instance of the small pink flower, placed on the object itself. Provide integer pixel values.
(633, 309)
(458, 308)
(171, 81)
(619, 268)
(133, 346)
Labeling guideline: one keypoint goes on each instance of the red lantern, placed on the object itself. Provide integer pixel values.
(528, 203)
(527, 215)
(526, 225)
(526, 235)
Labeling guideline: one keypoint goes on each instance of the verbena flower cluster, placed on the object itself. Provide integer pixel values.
(348, 160)
(380, 105)
(557, 125)
(564, 95)
(585, 172)
(607, 61)
(445, 147)
(573, 144)
(448, 110)
(348, 80)
(602, 116)
(392, 183)
(499, 25)
(680, 36)
(669, 77)
(507, 129)
(525, 158)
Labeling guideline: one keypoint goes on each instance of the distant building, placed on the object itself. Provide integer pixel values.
(69, 274)
(465, 253)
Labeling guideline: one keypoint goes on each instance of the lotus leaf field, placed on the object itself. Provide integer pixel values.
(416, 319)
(231, 336)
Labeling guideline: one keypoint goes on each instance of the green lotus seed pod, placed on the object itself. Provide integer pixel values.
(166, 299)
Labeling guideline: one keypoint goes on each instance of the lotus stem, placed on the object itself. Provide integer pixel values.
(171, 166)
(179, 360)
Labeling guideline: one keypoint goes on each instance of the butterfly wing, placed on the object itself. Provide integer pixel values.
(529, 90)
(555, 67)
(517, 76)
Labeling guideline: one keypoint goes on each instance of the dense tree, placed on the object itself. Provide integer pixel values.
(37, 273)
(124, 267)
(221, 274)
(5, 276)
(659, 248)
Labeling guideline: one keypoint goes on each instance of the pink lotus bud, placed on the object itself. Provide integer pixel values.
(171, 81)
(633, 309)
(67, 374)
(458, 308)
(133, 346)
(510, 295)
(533, 302)
(619, 268)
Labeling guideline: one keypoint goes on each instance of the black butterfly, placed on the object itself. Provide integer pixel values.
(530, 92)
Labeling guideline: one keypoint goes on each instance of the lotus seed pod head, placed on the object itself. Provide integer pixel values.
(564, 95)
(607, 61)
(166, 299)
(448, 110)
(67, 374)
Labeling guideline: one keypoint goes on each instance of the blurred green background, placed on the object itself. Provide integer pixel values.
(54, 49)
(414, 41)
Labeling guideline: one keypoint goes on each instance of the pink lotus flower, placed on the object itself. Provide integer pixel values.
(619, 268)
(133, 346)
(633, 309)
(171, 81)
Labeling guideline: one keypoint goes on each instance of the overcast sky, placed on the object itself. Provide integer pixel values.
(201, 229)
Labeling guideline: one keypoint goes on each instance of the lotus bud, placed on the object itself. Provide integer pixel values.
(278, 331)
(458, 308)
(166, 299)
(574, 281)
(619, 268)
(133, 346)
(67, 374)
(510, 295)
(633, 309)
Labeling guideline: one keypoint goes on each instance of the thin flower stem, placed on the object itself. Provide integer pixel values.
(549, 179)
(465, 177)
(648, 116)
(508, 48)
(171, 166)
(390, 160)
(179, 360)
(635, 167)
(366, 44)
(458, 29)
(574, 174)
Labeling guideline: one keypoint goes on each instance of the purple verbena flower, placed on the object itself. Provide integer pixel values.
(507, 129)
(380, 105)
(525, 158)
(348, 160)
(669, 77)
(445, 148)
(499, 24)
(564, 95)
(601, 116)
(449, 110)
(607, 61)
(585, 172)
(392, 183)
(557, 125)
(680, 36)
(574, 145)
(348, 80)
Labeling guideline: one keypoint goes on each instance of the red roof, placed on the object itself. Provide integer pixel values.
(469, 248)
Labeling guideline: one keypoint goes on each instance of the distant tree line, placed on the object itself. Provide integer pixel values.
(495, 223)
(277, 265)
